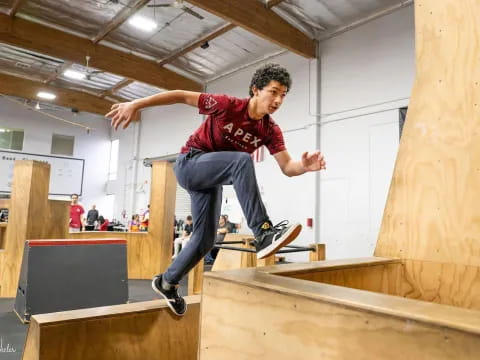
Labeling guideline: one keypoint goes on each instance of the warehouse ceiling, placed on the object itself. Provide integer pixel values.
(119, 50)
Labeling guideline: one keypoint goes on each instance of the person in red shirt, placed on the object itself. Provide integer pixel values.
(77, 222)
(103, 223)
(218, 153)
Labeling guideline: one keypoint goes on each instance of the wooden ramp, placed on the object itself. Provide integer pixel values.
(419, 298)
(144, 330)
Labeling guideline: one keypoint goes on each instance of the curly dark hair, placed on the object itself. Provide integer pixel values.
(267, 73)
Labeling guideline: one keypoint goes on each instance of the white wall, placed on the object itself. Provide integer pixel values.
(93, 147)
(368, 71)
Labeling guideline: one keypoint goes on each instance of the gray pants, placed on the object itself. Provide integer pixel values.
(202, 175)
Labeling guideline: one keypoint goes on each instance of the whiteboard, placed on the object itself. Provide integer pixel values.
(66, 174)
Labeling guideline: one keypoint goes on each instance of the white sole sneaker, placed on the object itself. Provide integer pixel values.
(167, 299)
(290, 235)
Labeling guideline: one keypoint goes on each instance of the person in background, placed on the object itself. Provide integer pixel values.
(144, 219)
(183, 240)
(103, 223)
(224, 227)
(134, 223)
(233, 227)
(3, 215)
(230, 226)
(175, 224)
(92, 215)
(77, 221)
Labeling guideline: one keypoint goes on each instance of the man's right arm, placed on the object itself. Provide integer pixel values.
(128, 111)
(168, 98)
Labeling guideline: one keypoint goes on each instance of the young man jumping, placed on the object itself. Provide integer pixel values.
(218, 153)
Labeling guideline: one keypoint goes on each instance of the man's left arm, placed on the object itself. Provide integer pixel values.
(82, 220)
(309, 162)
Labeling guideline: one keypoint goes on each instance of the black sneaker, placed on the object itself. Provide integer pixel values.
(174, 301)
(275, 237)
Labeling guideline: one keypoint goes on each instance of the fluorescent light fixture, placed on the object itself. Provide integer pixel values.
(46, 95)
(2, 130)
(142, 23)
(73, 74)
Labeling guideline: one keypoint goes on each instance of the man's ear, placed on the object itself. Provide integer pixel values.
(255, 90)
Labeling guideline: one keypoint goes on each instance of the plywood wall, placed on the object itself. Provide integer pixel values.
(31, 216)
(441, 283)
(433, 207)
(149, 253)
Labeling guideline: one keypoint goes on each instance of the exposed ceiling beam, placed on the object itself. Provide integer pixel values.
(195, 44)
(17, 4)
(119, 19)
(59, 72)
(28, 89)
(35, 37)
(118, 86)
(116, 98)
(271, 3)
(210, 36)
(253, 16)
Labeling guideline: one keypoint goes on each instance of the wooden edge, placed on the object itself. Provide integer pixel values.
(318, 254)
(107, 311)
(32, 340)
(465, 320)
(78, 235)
(195, 279)
(328, 265)
(74, 240)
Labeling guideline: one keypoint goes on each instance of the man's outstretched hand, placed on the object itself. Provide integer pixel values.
(123, 113)
(313, 161)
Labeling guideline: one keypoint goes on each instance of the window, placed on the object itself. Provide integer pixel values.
(112, 169)
(11, 139)
(62, 144)
(402, 116)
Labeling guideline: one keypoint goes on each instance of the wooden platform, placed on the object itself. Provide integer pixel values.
(272, 315)
(441, 283)
(144, 330)
(143, 255)
(150, 253)
(31, 216)
(29, 206)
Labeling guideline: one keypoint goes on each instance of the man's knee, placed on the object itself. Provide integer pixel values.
(244, 157)
(244, 160)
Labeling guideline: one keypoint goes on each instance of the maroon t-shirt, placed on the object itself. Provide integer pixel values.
(229, 128)
(76, 211)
